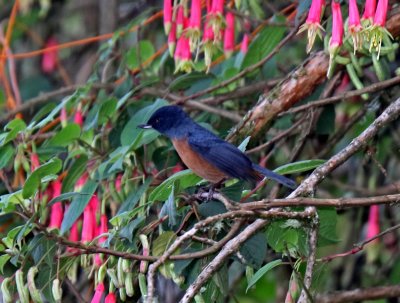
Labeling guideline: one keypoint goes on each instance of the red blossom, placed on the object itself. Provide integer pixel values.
(373, 222)
(337, 26)
(369, 10)
(229, 36)
(98, 294)
(89, 227)
(180, 21)
(167, 16)
(110, 298)
(56, 211)
(381, 12)
(35, 163)
(50, 57)
(78, 118)
(172, 39)
(245, 44)
(195, 15)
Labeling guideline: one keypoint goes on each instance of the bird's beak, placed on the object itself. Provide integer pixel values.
(145, 126)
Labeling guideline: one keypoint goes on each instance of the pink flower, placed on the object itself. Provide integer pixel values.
(172, 39)
(180, 21)
(89, 227)
(369, 10)
(50, 57)
(229, 36)
(216, 18)
(78, 118)
(35, 163)
(195, 15)
(218, 7)
(73, 236)
(81, 181)
(373, 221)
(103, 228)
(245, 44)
(377, 32)
(111, 298)
(336, 40)
(312, 24)
(98, 294)
(208, 5)
(381, 12)
(355, 25)
(167, 16)
(63, 117)
(183, 56)
(118, 181)
(56, 211)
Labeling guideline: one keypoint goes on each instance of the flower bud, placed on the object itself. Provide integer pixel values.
(21, 287)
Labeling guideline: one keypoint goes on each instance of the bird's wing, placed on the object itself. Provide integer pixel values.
(225, 156)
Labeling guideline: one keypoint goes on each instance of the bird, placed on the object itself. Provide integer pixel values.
(207, 155)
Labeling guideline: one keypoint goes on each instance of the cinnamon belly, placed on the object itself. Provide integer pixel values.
(197, 163)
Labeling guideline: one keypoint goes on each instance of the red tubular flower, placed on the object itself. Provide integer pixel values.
(373, 222)
(180, 20)
(208, 43)
(35, 163)
(172, 39)
(193, 30)
(167, 16)
(183, 56)
(103, 228)
(110, 298)
(312, 24)
(216, 18)
(369, 10)
(78, 118)
(377, 32)
(118, 182)
(98, 294)
(50, 58)
(89, 227)
(56, 211)
(208, 5)
(63, 117)
(245, 44)
(355, 25)
(336, 40)
(381, 12)
(229, 36)
(81, 181)
(73, 236)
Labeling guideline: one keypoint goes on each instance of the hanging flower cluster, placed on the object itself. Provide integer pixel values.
(367, 33)
(189, 33)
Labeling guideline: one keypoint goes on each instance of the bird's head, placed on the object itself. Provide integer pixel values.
(167, 120)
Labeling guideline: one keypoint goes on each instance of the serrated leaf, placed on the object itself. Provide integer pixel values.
(146, 50)
(32, 183)
(161, 244)
(77, 205)
(66, 135)
(282, 239)
(298, 167)
(186, 179)
(262, 271)
(263, 44)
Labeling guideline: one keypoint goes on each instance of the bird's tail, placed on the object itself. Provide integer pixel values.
(274, 176)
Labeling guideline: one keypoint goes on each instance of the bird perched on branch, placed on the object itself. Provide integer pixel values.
(207, 155)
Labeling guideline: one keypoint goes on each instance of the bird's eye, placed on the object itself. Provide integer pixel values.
(157, 120)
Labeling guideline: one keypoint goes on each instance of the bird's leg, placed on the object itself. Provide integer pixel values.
(213, 188)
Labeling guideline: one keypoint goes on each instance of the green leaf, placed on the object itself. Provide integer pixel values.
(263, 44)
(15, 126)
(298, 167)
(75, 171)
(282, 238)
(161, 244)
(66, 135)
(32, 183)
(262, 271)
(78, 204)
(327, 228)
(186, 179)
(3, 260)
(135, 137)
(146, 50)
(169, 209)
(107, 110)
(187, 80)
(254, 250)
(6, 154)
(326, 121)
(211, 208)
(134, 196)
(62, 197)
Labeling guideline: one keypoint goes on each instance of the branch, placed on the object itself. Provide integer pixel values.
(358, 295)
(308, 185)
